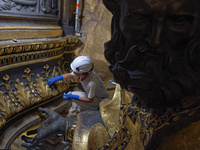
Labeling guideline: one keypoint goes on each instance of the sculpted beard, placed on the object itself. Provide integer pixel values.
(158, 77)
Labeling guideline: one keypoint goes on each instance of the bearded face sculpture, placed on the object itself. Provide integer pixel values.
(154, 50)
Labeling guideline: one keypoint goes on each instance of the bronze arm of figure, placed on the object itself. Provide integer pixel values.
(55, 123)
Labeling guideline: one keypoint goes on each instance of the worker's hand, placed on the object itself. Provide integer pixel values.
(55, 79)
(53, 125)
(70, 96)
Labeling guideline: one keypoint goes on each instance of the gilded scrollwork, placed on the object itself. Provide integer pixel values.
(70, 130)
(119, 140)
(59, 64)
(5, 105)
(62, 85)
(8, 104)
(17, 49)
(122, 136)
(27, 96)
(9, 91)
(151, 123)
(137, 125)
(42, 88)
(11, 54)
(143, 119)
(47, 71)
(23, 95)
(29, 47)
(16, 58)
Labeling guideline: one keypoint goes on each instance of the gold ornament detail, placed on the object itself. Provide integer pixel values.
(37, 46)
(113, 114)
(121, 136)
(70, 130)
(130, 127)
(47, 71)
(142, 120)
(24, 95)
(8, 103)
(23, 52)
(150, 122)
(24, 57)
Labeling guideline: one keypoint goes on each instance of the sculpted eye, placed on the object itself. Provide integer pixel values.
(181, 20)
(136, 17)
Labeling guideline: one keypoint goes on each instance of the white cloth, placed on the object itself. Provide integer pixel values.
(75, 107)
(73, 74)
(93, 87)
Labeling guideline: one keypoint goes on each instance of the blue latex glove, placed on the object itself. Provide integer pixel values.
(55, 79)
(70, 96)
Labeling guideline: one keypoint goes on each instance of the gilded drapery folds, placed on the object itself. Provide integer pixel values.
(132, 127)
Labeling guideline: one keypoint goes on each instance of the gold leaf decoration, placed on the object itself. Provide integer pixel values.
(28, 75)
(10, 99)
(69, 42)
(62, 85)
(44, 91)
(7, 108)
(110, 112)
(3, 106)
(3, 121)
(26, 94)
(23, 94)
(47, 71)
(34, 98)
(119, 133)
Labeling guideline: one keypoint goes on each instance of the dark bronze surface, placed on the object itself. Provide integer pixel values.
(154, 53)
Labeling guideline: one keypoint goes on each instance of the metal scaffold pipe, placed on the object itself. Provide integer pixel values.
(76, 16)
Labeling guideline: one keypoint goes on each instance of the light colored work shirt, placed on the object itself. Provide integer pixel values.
(93, 87)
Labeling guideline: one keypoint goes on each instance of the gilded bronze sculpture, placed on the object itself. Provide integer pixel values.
(153, 53)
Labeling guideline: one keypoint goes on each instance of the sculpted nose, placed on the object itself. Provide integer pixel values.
(155, 37)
